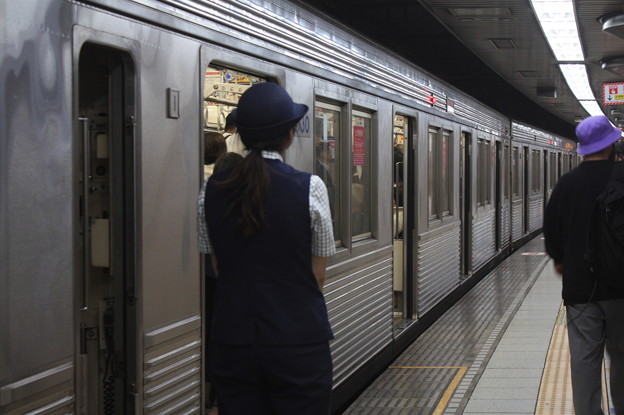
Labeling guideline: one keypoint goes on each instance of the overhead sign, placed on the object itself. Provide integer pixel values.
(613, 94)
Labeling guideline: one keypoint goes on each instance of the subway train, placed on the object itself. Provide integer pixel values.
(101, 158)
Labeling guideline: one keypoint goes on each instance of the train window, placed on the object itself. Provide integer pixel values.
(484, 173)
(327, 155)
(439, 182)
(399, 134)
(223, 88)
(361, 180)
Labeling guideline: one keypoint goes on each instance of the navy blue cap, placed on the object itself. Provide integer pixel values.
(266, 111)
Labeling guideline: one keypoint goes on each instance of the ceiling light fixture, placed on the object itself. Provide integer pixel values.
(558, 21)
(592, 107)
(576, 77)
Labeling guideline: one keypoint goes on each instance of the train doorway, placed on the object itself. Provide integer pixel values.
(465, 180)
(498, 194)
(526, 205)
(546, 177)
(402, 220)
(107, 318)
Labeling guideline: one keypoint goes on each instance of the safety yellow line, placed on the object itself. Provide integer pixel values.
(448, 393)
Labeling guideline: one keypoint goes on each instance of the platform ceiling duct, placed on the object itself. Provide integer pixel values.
(546, 92)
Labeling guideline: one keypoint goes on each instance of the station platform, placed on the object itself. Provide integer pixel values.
(501, 349)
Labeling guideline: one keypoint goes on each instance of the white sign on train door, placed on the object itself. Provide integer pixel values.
(613, 93)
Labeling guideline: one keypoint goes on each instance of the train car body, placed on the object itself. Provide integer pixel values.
(105, 102)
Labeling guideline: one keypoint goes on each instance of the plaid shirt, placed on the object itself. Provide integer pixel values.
(320, 215)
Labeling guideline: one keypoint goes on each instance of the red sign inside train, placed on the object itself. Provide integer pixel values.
(613, 93)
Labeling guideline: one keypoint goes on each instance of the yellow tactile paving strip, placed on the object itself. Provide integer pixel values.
(555, 394)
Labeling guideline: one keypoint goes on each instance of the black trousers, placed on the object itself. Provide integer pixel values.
(273, 379)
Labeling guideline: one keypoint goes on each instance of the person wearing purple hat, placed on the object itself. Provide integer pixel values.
(593, 310)
(269, 233)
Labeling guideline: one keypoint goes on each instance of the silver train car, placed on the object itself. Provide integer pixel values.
(105, 104)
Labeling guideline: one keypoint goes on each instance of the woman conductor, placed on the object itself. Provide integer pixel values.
(270, 233)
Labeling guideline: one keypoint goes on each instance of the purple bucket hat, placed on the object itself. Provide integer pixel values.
(595, 134)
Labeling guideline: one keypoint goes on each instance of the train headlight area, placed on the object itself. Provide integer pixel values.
(433, 195)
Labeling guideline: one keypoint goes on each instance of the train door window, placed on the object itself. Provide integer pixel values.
(439, 168)
(545, 180)
(484, 173)
(432, 189)
(223, 88)
(399, 134)
(327, 155)
(361, 176)
(566, 164)
(553, 170)
(506, 172)
(445, 174)
(516, 181)
(536, 183)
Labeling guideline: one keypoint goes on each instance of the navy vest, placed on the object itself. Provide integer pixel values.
(266, 290)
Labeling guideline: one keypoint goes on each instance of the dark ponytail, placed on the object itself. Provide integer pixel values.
(249, 184)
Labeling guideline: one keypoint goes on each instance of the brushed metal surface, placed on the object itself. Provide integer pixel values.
(36, 208)
(172, 375)
(360, 310)
(438, 268)
(483, 239)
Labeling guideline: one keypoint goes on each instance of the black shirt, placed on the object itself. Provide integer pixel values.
(566, 223)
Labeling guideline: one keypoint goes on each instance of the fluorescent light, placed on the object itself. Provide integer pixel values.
(592, 107)
(576, 77)
(558, 22)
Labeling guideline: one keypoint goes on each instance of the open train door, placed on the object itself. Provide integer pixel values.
(106, 243)
(403, 217)
(465, 202)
